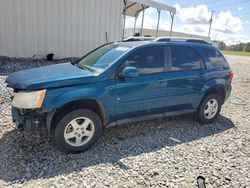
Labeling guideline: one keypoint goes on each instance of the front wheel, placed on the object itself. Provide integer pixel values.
(77, 130)
(209, 108)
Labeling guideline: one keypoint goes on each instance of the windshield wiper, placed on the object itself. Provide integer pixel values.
(90, 69)
(81, 67)
(85, 67)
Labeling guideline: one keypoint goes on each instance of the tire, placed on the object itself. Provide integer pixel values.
(77, 130)
(207, 111)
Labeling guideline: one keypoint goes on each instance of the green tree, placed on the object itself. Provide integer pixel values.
(222, 45)
(247, 47)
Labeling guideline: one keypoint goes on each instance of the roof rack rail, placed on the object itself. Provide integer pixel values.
(167, 39)
(134, 39)
(181, 39)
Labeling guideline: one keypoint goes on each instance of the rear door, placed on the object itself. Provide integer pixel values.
(186, 78)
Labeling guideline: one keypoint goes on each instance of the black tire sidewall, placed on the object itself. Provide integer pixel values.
(200, 113)
(63, 122)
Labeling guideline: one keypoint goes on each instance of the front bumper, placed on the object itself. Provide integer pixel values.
(28, 119)
(16, 117)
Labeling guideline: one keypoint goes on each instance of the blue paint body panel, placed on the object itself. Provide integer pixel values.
(125, 98)
(51, 76)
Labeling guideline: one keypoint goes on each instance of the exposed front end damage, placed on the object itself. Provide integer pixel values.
(29, 119)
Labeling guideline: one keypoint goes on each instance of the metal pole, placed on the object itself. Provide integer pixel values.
(135, 25)
(158, 22)
(210, 23)
(124, 18)
(172, 23)
(142, 22)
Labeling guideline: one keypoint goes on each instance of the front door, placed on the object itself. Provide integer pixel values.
(145, 94)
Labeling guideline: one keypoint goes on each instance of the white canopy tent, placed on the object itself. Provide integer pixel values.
(133, 8)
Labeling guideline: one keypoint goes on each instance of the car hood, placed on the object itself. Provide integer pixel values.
(49, 76)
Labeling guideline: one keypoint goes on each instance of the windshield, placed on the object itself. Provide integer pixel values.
(98, 60)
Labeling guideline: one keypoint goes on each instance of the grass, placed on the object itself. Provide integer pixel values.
(236, 53)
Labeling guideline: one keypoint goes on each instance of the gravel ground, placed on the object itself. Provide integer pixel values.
(169, 152)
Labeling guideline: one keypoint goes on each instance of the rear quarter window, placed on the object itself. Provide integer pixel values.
(215, 57)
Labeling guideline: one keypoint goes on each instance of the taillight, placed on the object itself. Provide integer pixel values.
(231, 75)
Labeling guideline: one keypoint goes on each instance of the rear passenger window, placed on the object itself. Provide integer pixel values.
(215, 57)
(185, 58)
(147, 61)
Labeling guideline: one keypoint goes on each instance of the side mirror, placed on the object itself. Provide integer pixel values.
(129, 72)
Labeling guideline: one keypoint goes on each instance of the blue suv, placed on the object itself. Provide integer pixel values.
(118, 83)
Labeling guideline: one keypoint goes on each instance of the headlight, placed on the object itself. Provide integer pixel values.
(29, 100)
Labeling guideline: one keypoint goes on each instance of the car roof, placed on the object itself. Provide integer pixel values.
(132, 44)
(136, 41)
(160, 43)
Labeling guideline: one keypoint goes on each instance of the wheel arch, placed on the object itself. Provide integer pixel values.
(91, 104)
(219, 90)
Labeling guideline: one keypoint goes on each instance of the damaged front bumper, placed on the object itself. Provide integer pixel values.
(28, 119)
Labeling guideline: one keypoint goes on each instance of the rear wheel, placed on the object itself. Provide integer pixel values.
(209, 108)
(77, 130)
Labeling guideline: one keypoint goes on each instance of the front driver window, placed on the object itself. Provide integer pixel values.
(148, 60)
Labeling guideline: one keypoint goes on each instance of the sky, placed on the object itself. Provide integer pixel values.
(231, 20)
